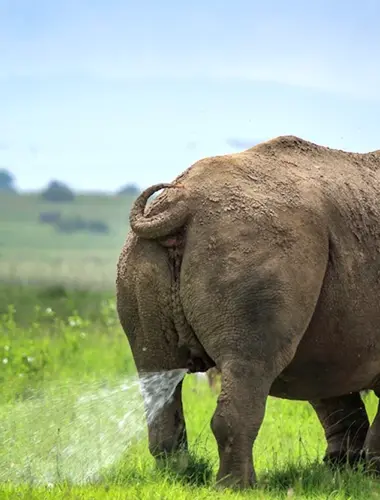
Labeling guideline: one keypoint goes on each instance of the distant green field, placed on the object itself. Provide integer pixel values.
(34, 252)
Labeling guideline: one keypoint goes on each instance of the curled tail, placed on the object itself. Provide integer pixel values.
(162, 224)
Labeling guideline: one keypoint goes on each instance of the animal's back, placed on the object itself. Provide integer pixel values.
(281, 164)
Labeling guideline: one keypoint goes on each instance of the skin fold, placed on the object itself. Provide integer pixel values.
(264, 264)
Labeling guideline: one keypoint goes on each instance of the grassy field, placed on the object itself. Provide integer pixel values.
(71, 419)
(72, 423)
(33, 252)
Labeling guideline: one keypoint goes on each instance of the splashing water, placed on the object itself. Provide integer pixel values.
(72, 432)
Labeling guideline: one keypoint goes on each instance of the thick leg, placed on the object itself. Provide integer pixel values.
(250, 354)
(167, 433)
(237, 420)
(345, 423)
(258, 348)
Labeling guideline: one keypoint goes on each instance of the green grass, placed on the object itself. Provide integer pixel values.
(61, 345)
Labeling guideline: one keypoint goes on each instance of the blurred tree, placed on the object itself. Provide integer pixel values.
(71, 224)
(58, 192)
(6, 180)
(129, 190)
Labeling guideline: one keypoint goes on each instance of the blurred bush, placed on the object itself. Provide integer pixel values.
(58, 192)
(49, 217)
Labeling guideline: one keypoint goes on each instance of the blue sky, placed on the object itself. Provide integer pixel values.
(101, 93)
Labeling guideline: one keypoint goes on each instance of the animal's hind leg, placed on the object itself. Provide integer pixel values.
(346, 424)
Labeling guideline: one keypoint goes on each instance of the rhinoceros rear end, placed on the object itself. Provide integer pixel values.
(266, 264)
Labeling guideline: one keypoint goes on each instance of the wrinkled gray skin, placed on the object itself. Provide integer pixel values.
(265, 264)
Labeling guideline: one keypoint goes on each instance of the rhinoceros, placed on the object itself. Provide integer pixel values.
(266, 265)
